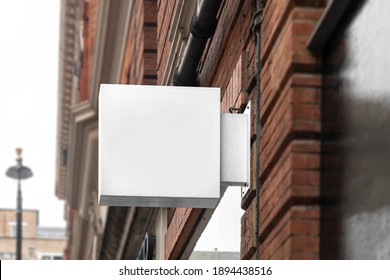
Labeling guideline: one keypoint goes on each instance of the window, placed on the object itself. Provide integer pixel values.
(51, 232)
(50, 256)
(12, 228)
(7, 256)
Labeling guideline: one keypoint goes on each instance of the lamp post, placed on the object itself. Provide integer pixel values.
(19, 172)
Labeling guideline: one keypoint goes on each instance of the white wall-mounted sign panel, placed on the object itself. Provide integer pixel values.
(159, 146)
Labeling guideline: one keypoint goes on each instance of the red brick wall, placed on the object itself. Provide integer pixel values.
(90, 17)
(291, 125)
(179, 231)
(165, 11)
(289, 217)
(232, 36)
(140, 62)
(223, 66)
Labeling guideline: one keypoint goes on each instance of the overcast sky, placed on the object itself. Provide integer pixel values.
(29, 46)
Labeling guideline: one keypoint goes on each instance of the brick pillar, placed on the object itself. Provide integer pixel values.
(291, 124)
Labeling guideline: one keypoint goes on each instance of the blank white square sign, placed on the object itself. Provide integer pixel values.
(159, 146)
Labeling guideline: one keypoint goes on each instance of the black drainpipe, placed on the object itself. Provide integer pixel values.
(203, 25)
(257, 17)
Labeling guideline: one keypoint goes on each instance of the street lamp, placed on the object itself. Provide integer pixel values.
(19, 172)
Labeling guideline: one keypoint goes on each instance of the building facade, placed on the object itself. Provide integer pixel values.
(319, 108)
(38, 243)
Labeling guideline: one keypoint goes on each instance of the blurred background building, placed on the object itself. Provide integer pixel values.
(316, 73)
(39, 243)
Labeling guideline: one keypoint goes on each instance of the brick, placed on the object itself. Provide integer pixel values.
(179, 230)
(297, 232)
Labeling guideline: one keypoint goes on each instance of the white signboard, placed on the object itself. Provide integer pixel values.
(159, 146)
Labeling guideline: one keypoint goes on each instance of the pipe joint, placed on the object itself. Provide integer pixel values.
(257, 17)
(191, 81)
(200, 30)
